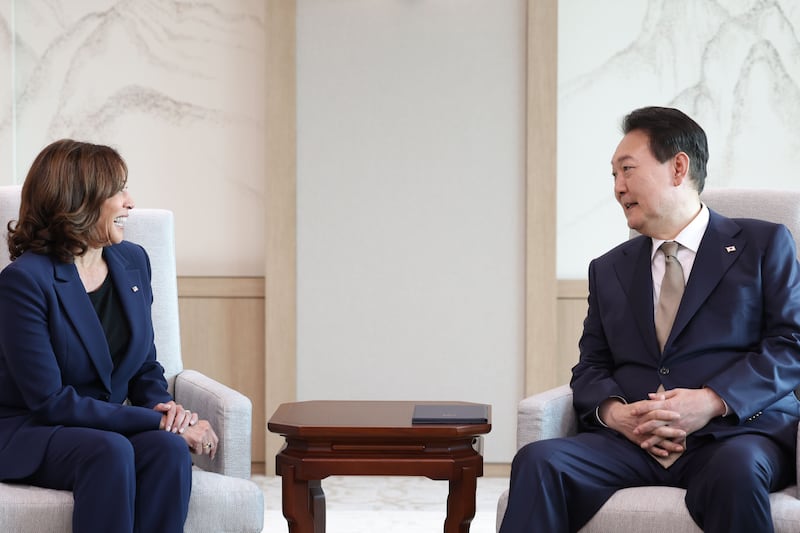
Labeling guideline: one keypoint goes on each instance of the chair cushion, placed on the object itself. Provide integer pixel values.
(219, 504)
(26, 509)
(662, 510)
(224, 504)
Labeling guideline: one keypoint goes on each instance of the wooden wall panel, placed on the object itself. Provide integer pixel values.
(572, 307)
(541, 372)
(280, 204)
(222, 336)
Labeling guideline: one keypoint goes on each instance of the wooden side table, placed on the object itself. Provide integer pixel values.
(340, 438)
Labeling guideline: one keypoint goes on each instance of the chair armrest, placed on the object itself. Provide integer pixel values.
(546, 415)
(797, 463)
(230, 414)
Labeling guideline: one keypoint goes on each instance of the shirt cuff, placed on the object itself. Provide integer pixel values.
(597, 410)
(727, 411)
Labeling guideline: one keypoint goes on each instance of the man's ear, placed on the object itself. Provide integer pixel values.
(680, 168)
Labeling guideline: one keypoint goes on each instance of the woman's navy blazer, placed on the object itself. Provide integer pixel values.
(55, 365)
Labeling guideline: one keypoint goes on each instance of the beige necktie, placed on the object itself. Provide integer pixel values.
(671, 292)
(668, 301)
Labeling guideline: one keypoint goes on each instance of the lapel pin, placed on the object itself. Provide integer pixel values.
(135, 288)
(730, 249)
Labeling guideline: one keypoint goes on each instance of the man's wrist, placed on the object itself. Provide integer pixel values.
(720, 406)
(602, 411)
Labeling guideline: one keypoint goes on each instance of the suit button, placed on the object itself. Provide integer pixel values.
(105, 397)
(663, 371)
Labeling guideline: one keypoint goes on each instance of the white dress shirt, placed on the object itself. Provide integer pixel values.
(689, 239)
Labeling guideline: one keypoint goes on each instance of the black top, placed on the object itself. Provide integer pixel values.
(112, 318)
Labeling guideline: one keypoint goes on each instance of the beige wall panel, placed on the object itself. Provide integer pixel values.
(222, 335)
(280, 205)
(541, 371)
(571, 312)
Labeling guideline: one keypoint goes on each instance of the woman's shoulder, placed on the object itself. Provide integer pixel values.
(130, 251)
(29, 267)
(31, 261)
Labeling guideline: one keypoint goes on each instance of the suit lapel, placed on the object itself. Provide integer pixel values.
(720, 248)
(635, 275)
(128, 284)
(78, 307)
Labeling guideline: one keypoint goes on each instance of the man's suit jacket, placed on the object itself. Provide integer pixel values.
(55, 365)
(737, 330)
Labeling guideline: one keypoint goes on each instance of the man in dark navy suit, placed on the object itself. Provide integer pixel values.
(707, 405)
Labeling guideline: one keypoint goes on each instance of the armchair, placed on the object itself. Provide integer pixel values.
(661, 509)
(223, 497)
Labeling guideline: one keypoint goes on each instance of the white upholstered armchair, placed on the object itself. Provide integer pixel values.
(662, 509)
(223, 497)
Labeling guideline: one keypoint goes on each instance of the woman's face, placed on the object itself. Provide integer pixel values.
(113, 216)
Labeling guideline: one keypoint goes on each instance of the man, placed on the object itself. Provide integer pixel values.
(700, 398)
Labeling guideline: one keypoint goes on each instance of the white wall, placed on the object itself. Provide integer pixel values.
(410, 203)
(177, 87)
(733, 65)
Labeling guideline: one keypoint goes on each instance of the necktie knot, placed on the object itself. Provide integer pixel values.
(670, 250)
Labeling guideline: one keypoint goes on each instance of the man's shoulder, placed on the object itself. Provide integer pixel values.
(751, 229)
(625, 248)
(718, 221)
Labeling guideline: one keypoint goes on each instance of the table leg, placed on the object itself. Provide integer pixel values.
(303, 503)
(317, 496)
(461, 501)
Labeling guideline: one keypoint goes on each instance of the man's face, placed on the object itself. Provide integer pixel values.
(642, 185)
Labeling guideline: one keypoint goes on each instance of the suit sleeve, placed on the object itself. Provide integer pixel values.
(26, 310)
(770, 370)
(592, 378)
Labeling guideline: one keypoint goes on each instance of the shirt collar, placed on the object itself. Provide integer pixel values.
(691, 235)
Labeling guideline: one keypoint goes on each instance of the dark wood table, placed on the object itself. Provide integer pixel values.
(368, 438)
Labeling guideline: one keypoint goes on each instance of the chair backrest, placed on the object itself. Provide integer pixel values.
(778, 206)
(154, 229)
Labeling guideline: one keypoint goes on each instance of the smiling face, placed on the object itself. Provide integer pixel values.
(652, 194)
(113, 216)
(74, 192)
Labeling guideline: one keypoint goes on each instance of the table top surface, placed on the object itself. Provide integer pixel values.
(332, 418)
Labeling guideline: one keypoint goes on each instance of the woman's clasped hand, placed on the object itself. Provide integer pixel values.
(198, 434)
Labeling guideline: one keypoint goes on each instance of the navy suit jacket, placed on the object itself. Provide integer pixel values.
(737, 330)
(55, 365)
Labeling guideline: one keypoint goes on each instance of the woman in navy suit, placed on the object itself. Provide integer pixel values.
(76, 342)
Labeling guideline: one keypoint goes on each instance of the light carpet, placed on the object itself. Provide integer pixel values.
(366, 504)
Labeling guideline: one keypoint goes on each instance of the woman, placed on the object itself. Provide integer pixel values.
(76, 342)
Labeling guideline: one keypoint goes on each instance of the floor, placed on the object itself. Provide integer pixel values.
(385, 504)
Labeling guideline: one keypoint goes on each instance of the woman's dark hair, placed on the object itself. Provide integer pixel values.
(671, 131)
(62, 198)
